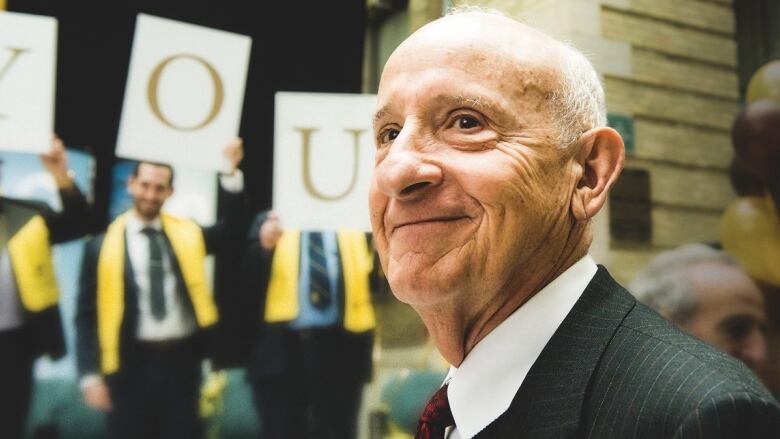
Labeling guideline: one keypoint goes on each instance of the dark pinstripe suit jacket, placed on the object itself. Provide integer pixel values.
(615, 369)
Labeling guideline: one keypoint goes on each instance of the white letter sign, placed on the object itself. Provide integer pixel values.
(323, 160)
(184, 93)
(28, 67)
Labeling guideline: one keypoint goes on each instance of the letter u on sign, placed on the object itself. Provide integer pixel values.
(306, 143)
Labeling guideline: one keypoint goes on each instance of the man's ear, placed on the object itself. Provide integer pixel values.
(601, 154)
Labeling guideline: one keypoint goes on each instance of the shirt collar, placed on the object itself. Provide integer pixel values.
(482, 388)
(135, 225)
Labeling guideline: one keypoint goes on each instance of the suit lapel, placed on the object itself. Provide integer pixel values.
(549, 402)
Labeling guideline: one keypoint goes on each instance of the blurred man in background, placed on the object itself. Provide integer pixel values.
(30, 323)
(145, 313)
(708, 294)
(312, 350)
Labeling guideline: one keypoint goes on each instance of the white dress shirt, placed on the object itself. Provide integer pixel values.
(482, 388)
(178, 321)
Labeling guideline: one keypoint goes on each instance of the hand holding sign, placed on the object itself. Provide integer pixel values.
(234, 153)
(55, 160)
(270, 231)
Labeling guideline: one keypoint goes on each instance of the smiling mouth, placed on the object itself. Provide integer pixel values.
(430, 222)
(149, 205)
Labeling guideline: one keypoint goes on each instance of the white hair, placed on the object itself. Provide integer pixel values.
(578, 101)
(665, 285)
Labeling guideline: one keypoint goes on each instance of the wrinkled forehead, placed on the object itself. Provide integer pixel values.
(483, 45)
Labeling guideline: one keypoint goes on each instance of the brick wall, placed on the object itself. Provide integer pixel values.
(682, 92)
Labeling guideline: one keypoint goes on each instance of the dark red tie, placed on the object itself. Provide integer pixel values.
(436, 417)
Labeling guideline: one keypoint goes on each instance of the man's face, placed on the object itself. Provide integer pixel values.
(471, 193)
(149, 189)
(730, 313)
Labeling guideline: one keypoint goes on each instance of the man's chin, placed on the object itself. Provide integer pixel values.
(148, 213)
(418, 288)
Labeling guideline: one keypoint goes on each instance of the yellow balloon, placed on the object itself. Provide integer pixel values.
(765, 83)
(750, 231)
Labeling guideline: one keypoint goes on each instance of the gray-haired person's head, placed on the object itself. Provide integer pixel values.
(665, 284)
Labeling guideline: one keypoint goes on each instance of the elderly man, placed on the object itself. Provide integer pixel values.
(311, 353)
(492, 156)
(707, 293)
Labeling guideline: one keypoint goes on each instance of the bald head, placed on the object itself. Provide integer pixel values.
(483, 31)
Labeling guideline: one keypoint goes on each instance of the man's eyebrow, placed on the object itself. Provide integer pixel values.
(381, 113)
(476, 102)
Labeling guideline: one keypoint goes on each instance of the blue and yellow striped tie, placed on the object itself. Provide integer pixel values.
(319, 280)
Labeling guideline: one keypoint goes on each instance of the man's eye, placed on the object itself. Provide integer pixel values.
(738, 327)
(467, 122)
(388, 135)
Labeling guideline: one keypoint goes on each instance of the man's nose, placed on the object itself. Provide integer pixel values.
(407, 172)
(148, 194)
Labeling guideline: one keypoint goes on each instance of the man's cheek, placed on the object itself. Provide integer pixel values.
(376, 209)
(381, 248)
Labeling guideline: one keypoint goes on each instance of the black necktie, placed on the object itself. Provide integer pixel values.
(320, 294)
(156, 292)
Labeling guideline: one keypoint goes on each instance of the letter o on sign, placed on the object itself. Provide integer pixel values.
(154, 82)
